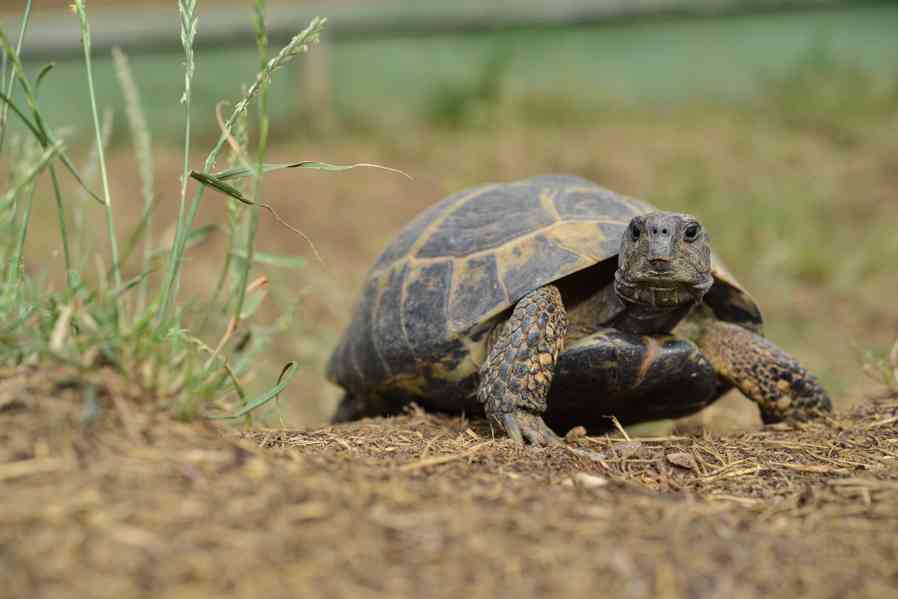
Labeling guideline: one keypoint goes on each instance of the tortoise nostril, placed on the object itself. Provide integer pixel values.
(654, 230)
(664, 231)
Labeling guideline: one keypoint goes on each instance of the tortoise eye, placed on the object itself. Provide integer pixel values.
(634, 232)
(691, 232)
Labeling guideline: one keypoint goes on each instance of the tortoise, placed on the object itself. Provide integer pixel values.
(552, 302)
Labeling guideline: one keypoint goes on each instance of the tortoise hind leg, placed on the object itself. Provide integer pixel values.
(517, 373)
(774, 380)
(348, 409)
(353, 407)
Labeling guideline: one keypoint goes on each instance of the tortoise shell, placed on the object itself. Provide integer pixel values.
(454, 271)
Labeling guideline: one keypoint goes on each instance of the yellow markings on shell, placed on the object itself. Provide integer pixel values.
(547, 201)
(443, 369)
(574, 237)
(464, 275)
(375, 339)
(424, 237)
(403, 295)
(580, 237)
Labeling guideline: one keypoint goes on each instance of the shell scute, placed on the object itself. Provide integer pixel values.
(386, 320)
(537, 258)
(486, 221)
(476, 289)
(419, 228)
(424, 308)
(583, 203)
(363, 351)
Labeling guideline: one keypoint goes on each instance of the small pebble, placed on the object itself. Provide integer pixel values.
(590, 481)
(575, 433)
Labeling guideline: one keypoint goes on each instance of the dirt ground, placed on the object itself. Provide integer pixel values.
(105, 496)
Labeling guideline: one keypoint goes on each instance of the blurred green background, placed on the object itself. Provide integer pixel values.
(392, 78)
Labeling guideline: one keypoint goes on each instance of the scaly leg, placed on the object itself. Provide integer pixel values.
(517, 373)
(774, 380)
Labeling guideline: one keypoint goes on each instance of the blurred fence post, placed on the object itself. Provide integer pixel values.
(315, 93)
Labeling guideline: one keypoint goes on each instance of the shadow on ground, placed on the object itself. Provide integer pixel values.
(105, 496)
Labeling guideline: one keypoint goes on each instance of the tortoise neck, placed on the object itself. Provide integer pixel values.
(650, 310)
(649, 320)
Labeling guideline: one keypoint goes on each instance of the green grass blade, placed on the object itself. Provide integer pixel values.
(287, 374)
(237, 172)
(240, 311)
(139, 232)
(300, 43)
(74, 172)
(141, 141)
(45, 70)
(251, 303)
(194, 238)
(23, 28)
(104, 177)
(290, 262)
(129, 284)
(219, 185)
(217, 180)
(37, 126)
(70, 274)
(169, 291)
(14, 275)
(19, 72)
(7, 102)
(42, 163)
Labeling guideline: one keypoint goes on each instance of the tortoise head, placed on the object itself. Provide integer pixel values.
(664, 261)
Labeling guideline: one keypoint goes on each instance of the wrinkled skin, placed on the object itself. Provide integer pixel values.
(664, 261)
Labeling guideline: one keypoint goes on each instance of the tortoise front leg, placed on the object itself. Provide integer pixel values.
(774, 380)
(517, 373)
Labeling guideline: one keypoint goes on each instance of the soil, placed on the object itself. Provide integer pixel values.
(104, 495)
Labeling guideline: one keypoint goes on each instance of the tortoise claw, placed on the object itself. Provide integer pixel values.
(511, 427)
(537, 431)
(523, 425)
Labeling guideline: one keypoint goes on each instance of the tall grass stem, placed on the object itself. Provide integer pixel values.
(262, 105)
(23, 27)
(15, 273)
(104, 178)
(299, 44)
(187, 12)
(141, 140)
